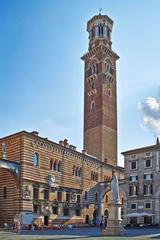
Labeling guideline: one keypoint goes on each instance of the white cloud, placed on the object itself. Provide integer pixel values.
(151, 113)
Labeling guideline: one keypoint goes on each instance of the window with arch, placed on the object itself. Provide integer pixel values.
(92, 105)
(93, 69)
(36, 159)
(55, 166)
(51, 164)
(85, 195)
(59, 167)
(106, 198)
(5, 192)
(100, 31)
(80, 171)
(76, 172)
(96, 197)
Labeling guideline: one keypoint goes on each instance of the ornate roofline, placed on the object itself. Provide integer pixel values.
(105, 17)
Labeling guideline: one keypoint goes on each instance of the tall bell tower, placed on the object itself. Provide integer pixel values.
(100, 98)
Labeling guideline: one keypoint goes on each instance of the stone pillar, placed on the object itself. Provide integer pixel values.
(114, 226)
(101, 210)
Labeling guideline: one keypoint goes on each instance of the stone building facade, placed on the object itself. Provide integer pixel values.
(142, 178)
(54, 182)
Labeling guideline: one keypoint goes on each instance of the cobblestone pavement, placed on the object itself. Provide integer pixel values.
(81, 234)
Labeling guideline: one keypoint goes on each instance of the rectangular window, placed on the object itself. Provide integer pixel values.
(59, 196)
(148, 163)
(55, 210)
(147, 220)
(147, 189)
(148, 154)
(133, 178)
(35, 193)
(67, 197)
(133, 206)
(78, 198)
(46, 194)
(148, 176)
(66, 212)
(148, 205)
(78, 212)
(133, 190)
(133, 165)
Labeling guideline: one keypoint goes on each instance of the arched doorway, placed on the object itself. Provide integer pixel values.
(87, 219)
(9, 196)
(95, 217)
(105, 217)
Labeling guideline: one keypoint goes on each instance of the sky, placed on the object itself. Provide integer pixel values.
(41, 73)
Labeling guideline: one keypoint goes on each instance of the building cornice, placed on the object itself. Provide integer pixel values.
(96, 50)
(65, 149)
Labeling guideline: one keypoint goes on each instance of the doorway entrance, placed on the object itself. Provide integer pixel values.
(95, 217)
(46, 220)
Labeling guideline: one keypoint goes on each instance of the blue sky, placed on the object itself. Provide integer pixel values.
(41, 73)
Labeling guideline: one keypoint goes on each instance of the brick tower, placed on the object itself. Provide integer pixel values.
(100, 99)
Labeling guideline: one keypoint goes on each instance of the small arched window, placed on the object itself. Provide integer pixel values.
(51, 164)
(5, 192)
(106, 198)
(92, 105)
(96, 197)
(36, 159)
(80, 171)
(91, 175)
(76, 172)
(59, 166)
(85, 195)
(55, 166)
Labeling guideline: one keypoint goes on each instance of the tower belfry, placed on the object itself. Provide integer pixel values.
(100, 98)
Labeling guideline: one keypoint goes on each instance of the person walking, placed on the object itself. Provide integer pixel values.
(101, 223)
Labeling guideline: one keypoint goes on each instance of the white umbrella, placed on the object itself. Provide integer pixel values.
(138, 214)
(133, 215)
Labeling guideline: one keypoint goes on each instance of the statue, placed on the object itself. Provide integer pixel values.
(51, 180)
(115, 188)
(114, 226)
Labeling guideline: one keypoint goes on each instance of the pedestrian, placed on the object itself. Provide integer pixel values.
(105, 222)
(18, 226)
(101, 223)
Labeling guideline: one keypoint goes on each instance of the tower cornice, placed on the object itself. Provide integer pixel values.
(97, 49)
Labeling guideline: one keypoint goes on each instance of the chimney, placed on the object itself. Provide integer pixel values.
(61, 143)
(72, 147)
(66, 143)
(35, 133)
